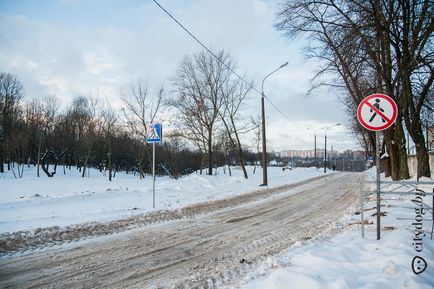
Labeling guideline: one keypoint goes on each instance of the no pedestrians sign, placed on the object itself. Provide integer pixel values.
(377, 112)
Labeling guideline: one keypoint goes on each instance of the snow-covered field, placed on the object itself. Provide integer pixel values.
(63, 200)
(340, 259)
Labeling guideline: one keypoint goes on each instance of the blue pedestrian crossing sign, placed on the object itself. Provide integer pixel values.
(154, 134)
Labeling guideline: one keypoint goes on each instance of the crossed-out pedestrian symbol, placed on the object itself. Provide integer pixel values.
(377, 112)
(377, 106)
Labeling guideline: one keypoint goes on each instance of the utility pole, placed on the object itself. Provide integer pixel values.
(264, 143)
(315, 151)
(325, 152)
(314, 154)
(325, 144)
(332, 158)
(264, 140)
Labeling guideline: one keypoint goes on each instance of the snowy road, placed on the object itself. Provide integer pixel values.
(197, 252)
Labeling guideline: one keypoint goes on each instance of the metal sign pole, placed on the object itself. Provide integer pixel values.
(154, 134)
(362, 207)
(153, 174)
(377, 112)
(377, 163)
(432, 213)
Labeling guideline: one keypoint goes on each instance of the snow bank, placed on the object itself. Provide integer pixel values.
(347, 261)
(31, 203)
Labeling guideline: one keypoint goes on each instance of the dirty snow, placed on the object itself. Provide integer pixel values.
(344, 260)
(31, 202)
(337, 260)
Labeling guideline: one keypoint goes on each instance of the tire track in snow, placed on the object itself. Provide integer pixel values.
(205, 251)
(42, 237)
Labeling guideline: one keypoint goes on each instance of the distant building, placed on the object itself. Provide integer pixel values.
(310, 154)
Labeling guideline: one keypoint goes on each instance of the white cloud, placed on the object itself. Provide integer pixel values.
(103, 54)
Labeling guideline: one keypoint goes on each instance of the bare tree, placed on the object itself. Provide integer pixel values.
(412, 38)
(34, 117)
(140, 109)
(234, 94)
(108, 120)
(52, 152)
(11, 92)
(81, 120)
(367, 45)
(257, 140)
(199, 83)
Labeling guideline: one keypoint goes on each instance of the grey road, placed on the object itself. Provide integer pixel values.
(204, 250)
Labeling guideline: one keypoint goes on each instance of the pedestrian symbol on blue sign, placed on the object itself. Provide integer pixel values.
(154, 133)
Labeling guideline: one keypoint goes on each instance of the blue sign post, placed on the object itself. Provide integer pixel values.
(154, 135)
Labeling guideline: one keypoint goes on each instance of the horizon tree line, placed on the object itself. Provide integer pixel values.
(358, 55)
(90, 132)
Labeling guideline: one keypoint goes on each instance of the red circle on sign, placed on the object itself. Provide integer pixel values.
(389, 120)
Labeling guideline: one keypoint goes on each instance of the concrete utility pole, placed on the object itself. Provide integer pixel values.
(315, 151)
(325, 144)
(264, 141)
(314, 154)
(325, 152)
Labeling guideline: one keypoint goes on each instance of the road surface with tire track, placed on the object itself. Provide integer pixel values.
(203, 250)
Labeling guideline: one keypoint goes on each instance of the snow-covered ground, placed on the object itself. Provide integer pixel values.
(33, 202)
(344, 260)
(336, 260)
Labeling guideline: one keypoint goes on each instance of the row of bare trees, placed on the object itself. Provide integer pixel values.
(374, 46)
(91, 132)
(209, 100)
(11, 93)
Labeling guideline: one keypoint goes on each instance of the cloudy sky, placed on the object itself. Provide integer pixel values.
(71, 47)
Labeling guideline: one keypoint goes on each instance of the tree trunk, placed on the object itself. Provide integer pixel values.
(236, 145)
(423, 169)
(395, 144)
(45, 168)
(39, 156)
(403, 164)
(9, 158)
(2, 170)
(140, 169)
(149, 152)
(239, 150)
(210, 152)
(393, 153)
(86, 160)
(412, 105)
(414, 128)
(202, 162)
(110, 165)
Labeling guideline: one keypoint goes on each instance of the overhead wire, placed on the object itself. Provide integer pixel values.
(227, 66)
(206, 48)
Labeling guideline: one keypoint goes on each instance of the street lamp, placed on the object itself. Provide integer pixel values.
(325, 144)
(264, 146)
(314, 145)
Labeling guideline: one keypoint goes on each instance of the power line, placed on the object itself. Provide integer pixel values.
(285, 116)
(206, 48)
(225, 65)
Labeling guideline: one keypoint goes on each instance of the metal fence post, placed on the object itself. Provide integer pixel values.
(362, 200)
